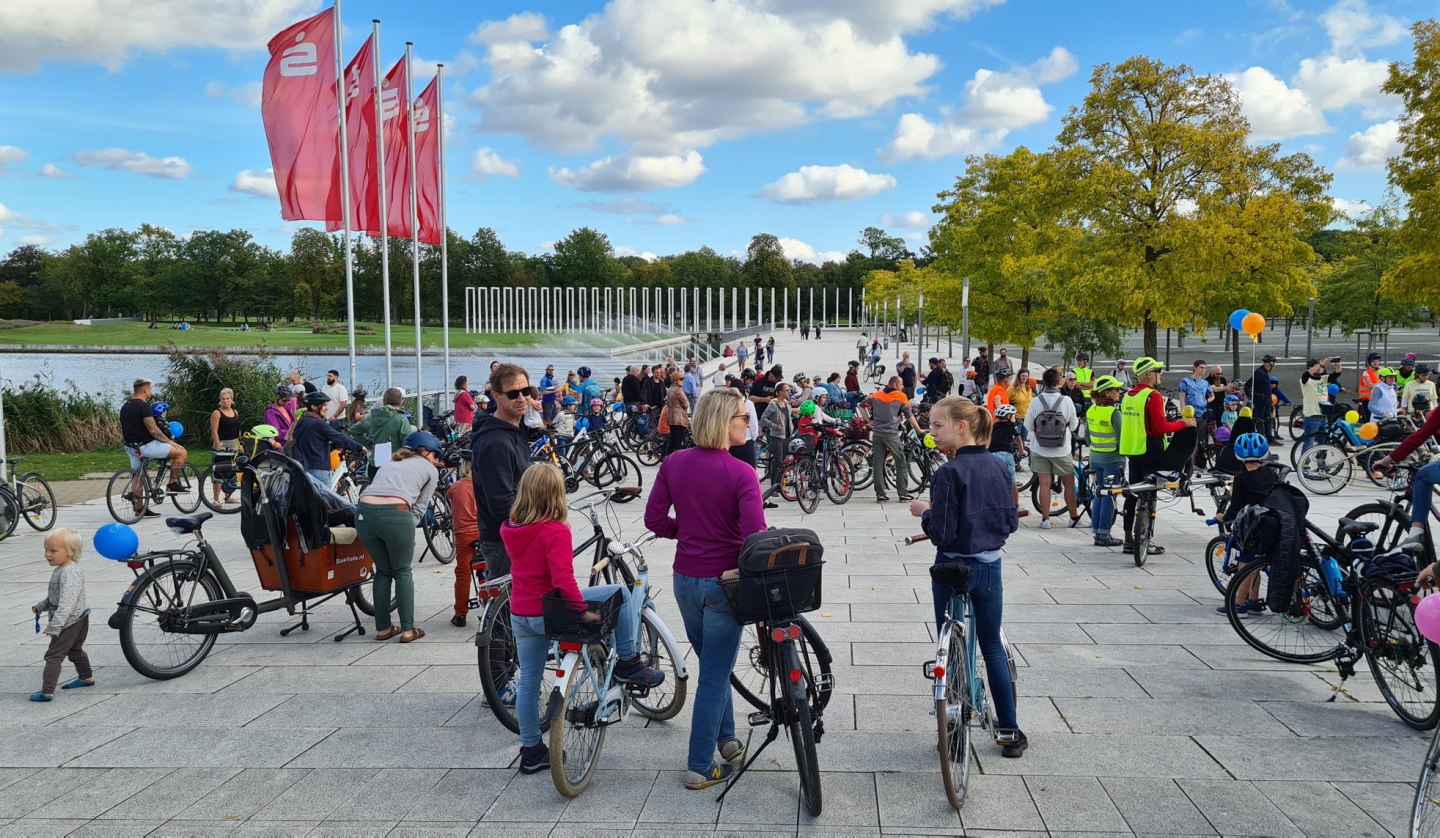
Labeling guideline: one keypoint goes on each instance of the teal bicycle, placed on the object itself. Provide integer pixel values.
(960, 685)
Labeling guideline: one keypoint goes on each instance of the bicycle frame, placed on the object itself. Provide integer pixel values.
(960, 617)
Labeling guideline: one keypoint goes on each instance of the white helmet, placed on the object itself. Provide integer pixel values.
(1005, 411)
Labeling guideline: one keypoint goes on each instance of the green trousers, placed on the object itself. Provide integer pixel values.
(388, 534)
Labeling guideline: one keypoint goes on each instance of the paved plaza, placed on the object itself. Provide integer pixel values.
(1145, 712)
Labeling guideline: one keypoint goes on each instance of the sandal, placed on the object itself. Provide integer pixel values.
(412, 635)
(385, 634)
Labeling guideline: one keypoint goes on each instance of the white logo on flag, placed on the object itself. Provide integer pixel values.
(300, 60)
(422, 117)
(389, 104)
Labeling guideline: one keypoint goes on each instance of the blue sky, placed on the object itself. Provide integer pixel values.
(667, 124)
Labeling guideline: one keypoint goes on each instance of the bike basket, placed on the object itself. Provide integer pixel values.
(952, 575)
(564, 622)
(774, 595)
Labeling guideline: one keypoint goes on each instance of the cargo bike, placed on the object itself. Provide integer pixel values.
(301, 541)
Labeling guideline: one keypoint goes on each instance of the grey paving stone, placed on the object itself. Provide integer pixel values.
(1246, 659)
(1316, 808)
(11, 776)
(1318, 718)
(347, 680)
(32, 747)
(37, 828)
(899, 712)
(1047, 633)
(1255, 686)
(669, 802)
(1237, 808)
(100, 794)
(1166, 717)
(452, 829)
(864, 750)
(1156, 806)
(178, 710)
(996, 802)
(274, 829)
(1197, 614)
(1083, 755)
(38, 788)
(614, 799)
(365, 710)
(351, 829)
(883, 680)
(775, 802)
(1219, 634)
(206, 678)
(316, 795)
(198, 829)
(39, 714)
(117, 829)
(167, 799)
(1138, 594)
(446, 646)
(1074, 614)
(1320, 758)
(483, 830)
(1080, 683)
(388, 796)
(242, 795)
(887, 654)
(287, 654)
(1386, 803)
(1074, 804)
(1169, 658)
(530, 801)
(202, 747)
(833, 632)
(914, 800)
(441, 747)
(849, 802)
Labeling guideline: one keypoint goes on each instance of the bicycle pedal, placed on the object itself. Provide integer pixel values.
(637, 690)
(759, 719)
(825, 681)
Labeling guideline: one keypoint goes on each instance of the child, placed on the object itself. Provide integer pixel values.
(69, 618)
(1251, 486)
(467, 542)
(968, 520)
(565, 424)
(1004, 443)
(1384, 398)
(1102, 429)
(537, 537)
(595, 420)
(1231, 414)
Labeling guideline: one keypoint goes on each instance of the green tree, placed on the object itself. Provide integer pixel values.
(317, 261)
(766, 265)
(883, 246)
(1352, 292)
(703, 268)
(585, 257)
(1416, 169)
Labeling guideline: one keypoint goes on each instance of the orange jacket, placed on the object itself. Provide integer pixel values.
(1368, 379)
(998, 395)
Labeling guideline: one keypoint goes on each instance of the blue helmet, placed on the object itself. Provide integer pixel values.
(1232, 399)
(568, 401)
(1252, 447)
(583, 372)
(422, 439)
(158, 409)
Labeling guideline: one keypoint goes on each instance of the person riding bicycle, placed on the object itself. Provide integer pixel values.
(143, 436)
(1143, 427)
(1251, 487)
(1384, 398)
(314, 436)
(1426, 478)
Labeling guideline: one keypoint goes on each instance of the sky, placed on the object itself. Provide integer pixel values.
(666, 124)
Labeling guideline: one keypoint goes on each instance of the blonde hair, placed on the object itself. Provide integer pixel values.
(69, 538)
(227, 392)
(540, 496)
(710, 426)
(960, 409)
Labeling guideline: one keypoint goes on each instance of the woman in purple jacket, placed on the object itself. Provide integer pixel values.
(716, 503)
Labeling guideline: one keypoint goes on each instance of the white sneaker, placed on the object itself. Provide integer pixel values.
(1045, 523)
(1414, 536)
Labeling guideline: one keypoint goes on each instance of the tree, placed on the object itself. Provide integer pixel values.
(1416, 169)
(703, 268)
(884, 247)
(317, 262)
(1352, 288)
(157, 253)
(585, 257)
(766, 265)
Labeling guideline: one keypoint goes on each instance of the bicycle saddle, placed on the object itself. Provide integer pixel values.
(186, 524)
(1349, 526)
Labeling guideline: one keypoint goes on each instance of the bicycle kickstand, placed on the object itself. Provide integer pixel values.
(770, 736)
(1345, 665)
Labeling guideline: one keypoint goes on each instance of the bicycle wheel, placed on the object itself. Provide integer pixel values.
(361, 595)
(650, 450)
(1057, 495)
(9, 513)
(858, 454)
(789, 480)
(751, 675)
(579, 737)
(1394, 522)
(954, 717)
(37, 501)
(838, 485)
(187, 500)
(220, 494)
(1406, 666)
(500, 668)
(1311, 439)
(1297, 422)
(439, 526)
(614, 471)
(159, 600)
(1220, 562)
(1366, 460)
(1324, 470)
(1142, 530)
(802, 733)
(1290, 635)
(808, 486)
(1425, 814)
(665, 701)
(126, 505)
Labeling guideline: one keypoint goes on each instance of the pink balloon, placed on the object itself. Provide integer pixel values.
(1427, 618)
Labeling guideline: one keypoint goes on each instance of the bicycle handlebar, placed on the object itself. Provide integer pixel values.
(916, 539)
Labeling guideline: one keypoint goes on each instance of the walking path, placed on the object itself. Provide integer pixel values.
(1145, 712)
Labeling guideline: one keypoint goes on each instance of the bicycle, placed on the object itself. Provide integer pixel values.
(132, 491)
(960, 683)
(1147, 491)
(610, 564)
(31, 495)
(1326, 469)
(1425, 812)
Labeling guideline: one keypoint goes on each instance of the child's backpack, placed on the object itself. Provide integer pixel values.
(1050, 424)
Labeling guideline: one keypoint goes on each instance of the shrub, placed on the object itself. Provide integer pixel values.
(193, 382)
(40, 418)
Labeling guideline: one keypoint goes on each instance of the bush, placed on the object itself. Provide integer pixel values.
(40, 418)
(193, 382)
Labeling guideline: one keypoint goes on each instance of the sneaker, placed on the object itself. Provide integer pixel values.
(457, 621)
(732, 750)
(906, 498)
(718, 773)
(1413, 536)
(42, 697)
(507, 695)
(634, 671)
(173, 488)
(1242, 608)
(150, 513)
(534, 759)
(1012, 742)
(1045, 523)
(1107, 541)
(770, 504)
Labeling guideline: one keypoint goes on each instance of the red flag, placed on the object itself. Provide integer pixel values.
(396, 89)
(427, 162)
(360, 132)
(299, 109)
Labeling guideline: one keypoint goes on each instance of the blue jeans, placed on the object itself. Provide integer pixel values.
(1313, 424)
(1102, 506)
(321, 474)
(1423, 493)
(532, 646)
(987, 599)
(711, 628)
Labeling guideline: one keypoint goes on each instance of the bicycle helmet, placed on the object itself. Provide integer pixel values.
(617, 407)
(265, 432)
(1107, 382)
(314, 398)
(284, 390)
(1232, 399)
(1251, 447)
(1386, 372)
(158, 409)
(1411, 357)
(359, 394)
(583, 372)
(1005, 411)
(807, 408)
(1373, 356)
(568, 401)
(422, 439)
(797, 446)
(1274, 379)
(597, 402)
(1146, 364)
(1222, 434)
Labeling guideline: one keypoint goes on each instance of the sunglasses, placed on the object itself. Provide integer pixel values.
(516, 393)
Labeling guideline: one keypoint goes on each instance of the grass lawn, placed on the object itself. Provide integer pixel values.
(138, 334)
(108, 461)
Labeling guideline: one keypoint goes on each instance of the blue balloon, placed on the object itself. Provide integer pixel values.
(1237, 318)
(117, 542)
(1333, 389)
(176, 429)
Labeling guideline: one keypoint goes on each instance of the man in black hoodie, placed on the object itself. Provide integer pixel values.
(499, 454)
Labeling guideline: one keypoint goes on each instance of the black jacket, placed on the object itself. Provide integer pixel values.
(652, 392)
(630, 389)
(972, 506)
(499, 454)
(313, 438)
(1259, 390)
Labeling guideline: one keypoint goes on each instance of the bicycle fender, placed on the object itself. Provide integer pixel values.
(668, 639)
(564, 671)
(941, 648)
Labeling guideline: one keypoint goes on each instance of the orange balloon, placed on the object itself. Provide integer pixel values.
(1368, 431)
(1253, 324)
(1274, 400)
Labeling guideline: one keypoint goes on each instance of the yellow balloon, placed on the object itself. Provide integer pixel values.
(929, 441)
(1188, 411)
(1352, 417)
(1368, 431)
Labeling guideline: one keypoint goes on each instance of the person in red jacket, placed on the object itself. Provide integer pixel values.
(1147, 450)
(1426, 479)
(467, 544)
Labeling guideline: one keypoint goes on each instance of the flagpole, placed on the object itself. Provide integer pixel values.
(414, 229)
(444, 231)
(380, 191)
(342, 89)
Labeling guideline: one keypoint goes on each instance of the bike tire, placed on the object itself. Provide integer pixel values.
(1406, 666)
(1425, 813)
(440, 529)
(37, 501)
(208, 485)
(1141, 531)
(361, 595)
(1218, 562)
(789, 481)
(751, 675)
(120, 498)
(1297, 422)
(1394, 523)
(664, 702)
(838, 485)
(1324, 470)
(614, 471)
(1311, 439)
(9, 513)
(808, 487)
(495, 653)
(152, 602)
(650, 450)
(858, 455)
(576, 742)
(188, 500)
(1057, 495)
(801, 729)
(954, 725)
(1290, 637)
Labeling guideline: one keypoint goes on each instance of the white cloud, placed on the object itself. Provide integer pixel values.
(1353, 26)
(633, 173)
(1351, 209)
(624, 250)
(526, 26)
(425, 68)
(134, 161)
(246, 94)
(670, 218)
(996, 103)
(486, 164)
(913, 220)
(37, 239)
(1369, 149)
(1275, 110)
(259, 184)
(667, 75)
(9, 216)
(1332, 82)
(11, 154)
(796, 249)
(109, 32)
(626, 206)
(52, 170)
(826, 183)
(887, 18)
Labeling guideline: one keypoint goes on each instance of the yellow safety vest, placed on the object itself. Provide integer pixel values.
(1084, 375)
(1132, 423)
(1100, 428)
